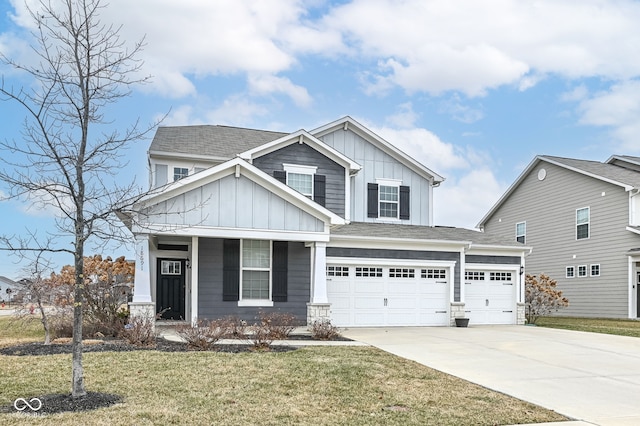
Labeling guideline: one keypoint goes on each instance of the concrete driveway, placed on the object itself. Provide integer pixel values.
(584, 376)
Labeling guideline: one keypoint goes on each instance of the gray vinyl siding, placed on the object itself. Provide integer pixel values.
(210, 304)
(233, 203)
(492, 260)
(402, 254)
(161, 175)
(376, 164)
(304, 155)
(549, 209)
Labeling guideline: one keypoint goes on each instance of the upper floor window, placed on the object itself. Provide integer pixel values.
(387, 199)
(304, 180)
(179, 173)
(582, 223)
(521, 231)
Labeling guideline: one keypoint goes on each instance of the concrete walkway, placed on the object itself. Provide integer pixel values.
(589, 377)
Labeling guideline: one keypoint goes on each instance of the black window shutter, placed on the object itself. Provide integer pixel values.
(319, 189)
(404, 202)
(281, 175)
(279, 273)
(231, 270)
(372, 200)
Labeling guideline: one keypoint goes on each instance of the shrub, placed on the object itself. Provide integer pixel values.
(541, 297)
(140, 331)
(324, 330)
(279, 324)
(204, 334)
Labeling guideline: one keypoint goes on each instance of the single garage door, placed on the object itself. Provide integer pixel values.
(364, 295)
(490, 297)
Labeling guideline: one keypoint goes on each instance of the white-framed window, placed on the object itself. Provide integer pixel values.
(473, 276)
(521, 232)
(337, 271)
(583, 217)
(300, 178)
(434, 274)
(499, 276)
(582, 270)
(179, 173)
(171, 267)
(595, 270)
(402, 273)
(366, 271)
(255, 267)
(389, 200)
(570, 272)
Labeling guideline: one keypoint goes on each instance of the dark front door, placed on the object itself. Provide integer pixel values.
(170, 291)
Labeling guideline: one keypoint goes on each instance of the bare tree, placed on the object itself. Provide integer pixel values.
(70, 153)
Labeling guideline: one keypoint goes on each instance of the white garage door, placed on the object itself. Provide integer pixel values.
(490, 297)
(364, 295)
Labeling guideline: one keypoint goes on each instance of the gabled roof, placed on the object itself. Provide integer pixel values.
(219, 142)
(423, 234)
(302, 136)
(615, 175)
(348, 123)
(240, 167)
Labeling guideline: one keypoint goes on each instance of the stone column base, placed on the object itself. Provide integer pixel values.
(143, 310)
(318, 312)
(521, 318)
(457, 311)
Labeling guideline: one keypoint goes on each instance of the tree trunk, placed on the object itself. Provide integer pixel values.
(77, 374)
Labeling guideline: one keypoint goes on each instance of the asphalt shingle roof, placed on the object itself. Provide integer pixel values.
(438, 233)
(604, 170)
(215, 141)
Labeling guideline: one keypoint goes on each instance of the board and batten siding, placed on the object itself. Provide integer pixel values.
(304, 155)
(233, 202)
(549, 209)
(211, 305)
(376, 164)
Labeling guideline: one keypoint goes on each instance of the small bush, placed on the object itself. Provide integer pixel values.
(237, 327)
(140, 331)
(324, 330)
(260, 336)
(279, 324)
(204, 334)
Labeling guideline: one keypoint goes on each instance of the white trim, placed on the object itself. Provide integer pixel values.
(195, 273)
(388, 182)
(382, 262)
(588, 208)
(297, 168)
(525, 231)
(237, 233)
(256, 302)
(142, 292)
(591, 270)
(491, 267)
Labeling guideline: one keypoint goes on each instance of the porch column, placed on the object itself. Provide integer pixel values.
(195, 267)
(142, 305)
(319, 308)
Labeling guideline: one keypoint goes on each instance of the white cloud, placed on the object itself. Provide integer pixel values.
(463, 201)
(268, 84)
(459, 111)
(405, 117)
(236, 110)
(618, 109)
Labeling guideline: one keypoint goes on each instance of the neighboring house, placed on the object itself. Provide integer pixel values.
(333, 223)
(8, 289)
(582, 220)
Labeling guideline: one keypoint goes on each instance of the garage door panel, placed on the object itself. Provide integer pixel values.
(368, 302)
(490, 301)
(363, 287)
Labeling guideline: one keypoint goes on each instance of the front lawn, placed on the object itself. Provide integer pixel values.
(312, 385)
(621, 327)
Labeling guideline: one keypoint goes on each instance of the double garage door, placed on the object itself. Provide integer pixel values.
(366, 295)
(490, 297)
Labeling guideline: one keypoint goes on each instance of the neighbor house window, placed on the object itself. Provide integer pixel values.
(179, 173)
(595, 270)
(256, 269)
(521, 231)
(582, 223)
(582, 270)
(571, 272)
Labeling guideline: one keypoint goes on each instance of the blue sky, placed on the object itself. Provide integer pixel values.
(474, 90)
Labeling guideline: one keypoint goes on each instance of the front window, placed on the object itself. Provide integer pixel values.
(388, 201)
(582, 223)
(521, 231)
(179, 173)
(256, 269)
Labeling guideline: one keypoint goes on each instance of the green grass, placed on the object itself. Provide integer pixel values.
(620, 327)
(309, 386)
(15, 330)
